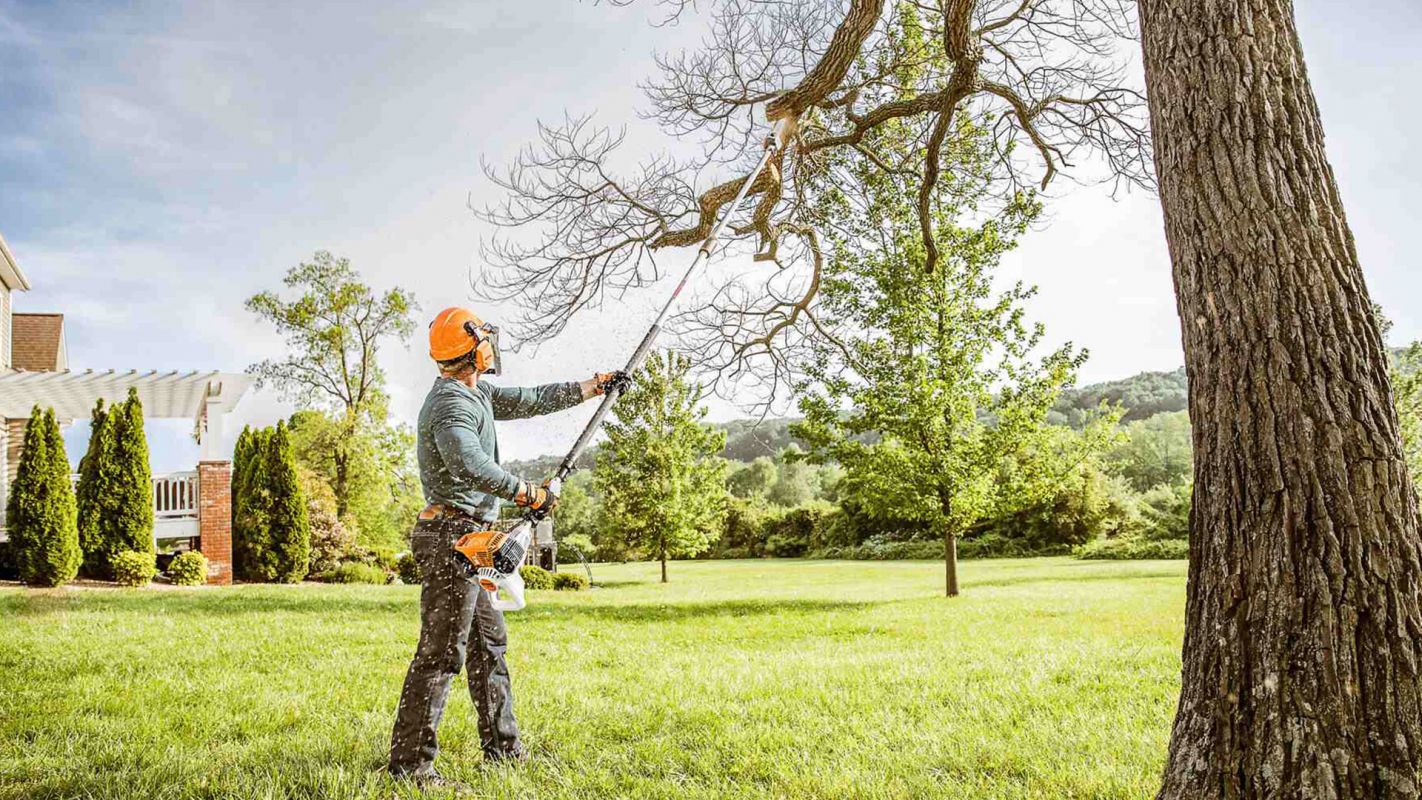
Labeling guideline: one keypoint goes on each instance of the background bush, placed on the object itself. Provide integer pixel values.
(355, 572)
(1133, 548)
(569, 581)
(408, 569)
(133, 568)
(40, 512)
(188, 569)
(536, 577)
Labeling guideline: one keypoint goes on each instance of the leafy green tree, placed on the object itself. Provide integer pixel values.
(936, 361)
(40, 513)
(796, 481)
(127, 505)
(333, 332)
(377, 461)
(1407, 394)
(92, 493)
(754, 480)
(575, 520)
(1154, 451)
(663, 490)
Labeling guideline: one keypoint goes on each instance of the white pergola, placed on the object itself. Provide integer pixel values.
(203, 397)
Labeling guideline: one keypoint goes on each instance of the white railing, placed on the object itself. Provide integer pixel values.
(175, 495)
(175, 505)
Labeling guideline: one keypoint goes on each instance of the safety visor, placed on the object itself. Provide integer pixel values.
(488, 332)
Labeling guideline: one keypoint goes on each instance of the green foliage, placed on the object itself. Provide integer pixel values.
(127, 522)
(753, 480)
(271, 522)
(331, 541)
(1407, 395)
(569, 581)
(188, 569)
(91, 493)
(333, 331)
(1133, 548)
(355, 572)
(795, 532)
(40, 514)
(796, 482)
(115, 491)
(575, 520)
(940, 363)
(663, 490)
(1165, 512)
(1155, 451)
(536, 577)
(373, 460)
(1140, 397)
(133, 568)
(408, 568)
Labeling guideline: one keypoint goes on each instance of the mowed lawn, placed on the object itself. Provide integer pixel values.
(1047, 678)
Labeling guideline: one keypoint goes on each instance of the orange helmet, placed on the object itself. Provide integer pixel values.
(457, 332)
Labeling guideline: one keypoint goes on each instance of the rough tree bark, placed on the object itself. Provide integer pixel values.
(1300, 675)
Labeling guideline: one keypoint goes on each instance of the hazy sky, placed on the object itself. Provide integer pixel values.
(161, 161)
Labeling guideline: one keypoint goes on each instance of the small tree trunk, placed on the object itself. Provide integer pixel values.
(340, 489)
(664, 563)
(950, 562)
(1303, 627)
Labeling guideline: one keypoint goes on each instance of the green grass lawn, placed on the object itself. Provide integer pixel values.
(1047, 678)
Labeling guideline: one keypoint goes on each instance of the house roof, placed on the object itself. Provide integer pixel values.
(10, 273)
(37, 342)
(172, 395)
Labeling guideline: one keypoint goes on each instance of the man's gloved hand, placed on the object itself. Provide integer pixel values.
(538, 498)
(607, 381)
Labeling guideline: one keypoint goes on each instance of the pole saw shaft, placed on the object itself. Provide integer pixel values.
(773, 143)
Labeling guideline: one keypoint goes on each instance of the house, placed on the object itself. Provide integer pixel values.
(192, 506)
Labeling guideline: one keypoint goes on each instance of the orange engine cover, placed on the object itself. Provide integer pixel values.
(479, 547)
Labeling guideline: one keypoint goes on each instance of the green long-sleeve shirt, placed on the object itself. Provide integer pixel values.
(457, 446)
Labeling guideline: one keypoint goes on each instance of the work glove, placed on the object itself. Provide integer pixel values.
(607, 381)
(536, 498)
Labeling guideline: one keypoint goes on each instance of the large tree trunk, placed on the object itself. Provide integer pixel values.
(1300, 674)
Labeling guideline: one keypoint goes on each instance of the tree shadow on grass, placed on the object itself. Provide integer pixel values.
(675, 612)
(1084, 577)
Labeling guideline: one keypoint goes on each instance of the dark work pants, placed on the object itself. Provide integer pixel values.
(458, 626)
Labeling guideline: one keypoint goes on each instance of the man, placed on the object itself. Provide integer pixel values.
(463, 484)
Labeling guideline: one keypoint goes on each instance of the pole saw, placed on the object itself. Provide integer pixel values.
(492, 558)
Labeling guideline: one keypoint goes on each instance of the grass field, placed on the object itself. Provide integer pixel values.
(1047, 678)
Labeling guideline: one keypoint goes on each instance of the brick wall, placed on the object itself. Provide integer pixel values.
(215, 518)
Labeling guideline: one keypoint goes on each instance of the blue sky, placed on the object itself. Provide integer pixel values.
(161, 161)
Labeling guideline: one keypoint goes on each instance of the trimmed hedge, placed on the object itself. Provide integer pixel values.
(1134, 548)
(569, 581)
(133, 568)
(356, 572)
(536, 577)
(188, 569)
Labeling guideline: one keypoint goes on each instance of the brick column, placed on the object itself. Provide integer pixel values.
(215, 519)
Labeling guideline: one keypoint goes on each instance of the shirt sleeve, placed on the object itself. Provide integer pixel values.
(458, 443)
(533, 401)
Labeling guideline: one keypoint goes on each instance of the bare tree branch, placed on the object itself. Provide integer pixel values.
(1042, 77)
